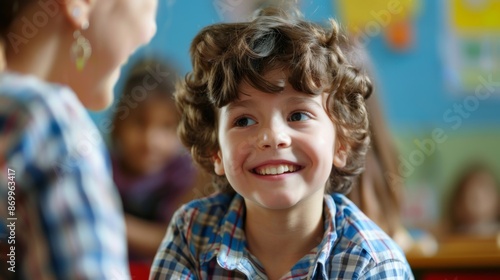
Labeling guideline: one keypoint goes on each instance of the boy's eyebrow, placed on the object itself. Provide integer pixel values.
(295, 100)
(238, 104)
(303, 99)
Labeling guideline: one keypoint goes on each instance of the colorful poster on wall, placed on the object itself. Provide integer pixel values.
(392, 18)
(471, 45)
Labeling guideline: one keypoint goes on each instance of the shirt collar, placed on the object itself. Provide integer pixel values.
(230, 243)
(330, 237)
(230, 247)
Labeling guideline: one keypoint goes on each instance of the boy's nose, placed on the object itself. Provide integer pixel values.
(273, 138)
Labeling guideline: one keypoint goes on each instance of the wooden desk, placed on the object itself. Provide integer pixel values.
(460, 258)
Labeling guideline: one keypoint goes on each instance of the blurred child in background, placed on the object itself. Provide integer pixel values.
(475, 203)
(151, 168)
(379, 188)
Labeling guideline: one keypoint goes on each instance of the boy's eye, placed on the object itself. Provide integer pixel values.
(298, 116)
(244, 121)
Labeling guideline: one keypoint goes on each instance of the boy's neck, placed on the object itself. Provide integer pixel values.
(280, 238)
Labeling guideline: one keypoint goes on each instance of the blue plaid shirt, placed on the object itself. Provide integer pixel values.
(206, 240)
(67, 216)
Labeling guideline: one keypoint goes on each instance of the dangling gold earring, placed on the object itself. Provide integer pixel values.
(81, 50)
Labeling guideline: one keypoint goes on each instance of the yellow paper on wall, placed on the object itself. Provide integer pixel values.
(476, 15)
(358, 14)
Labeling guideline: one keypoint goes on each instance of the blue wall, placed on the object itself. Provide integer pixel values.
(412, 87)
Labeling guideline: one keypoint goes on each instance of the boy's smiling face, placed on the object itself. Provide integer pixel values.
(276, 150)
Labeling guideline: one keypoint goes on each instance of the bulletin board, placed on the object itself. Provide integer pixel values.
(471, 48)
(356, 14)
(391, 18)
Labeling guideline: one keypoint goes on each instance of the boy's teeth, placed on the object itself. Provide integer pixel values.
(280, 169)
(275, 170)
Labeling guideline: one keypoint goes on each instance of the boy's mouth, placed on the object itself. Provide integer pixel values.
(276, 169)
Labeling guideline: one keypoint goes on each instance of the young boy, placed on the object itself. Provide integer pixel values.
(275, 112)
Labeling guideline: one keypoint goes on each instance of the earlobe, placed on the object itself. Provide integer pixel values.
(340, 157)
(78, 12)
(218, 164)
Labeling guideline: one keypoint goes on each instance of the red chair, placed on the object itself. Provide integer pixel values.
(139, 270)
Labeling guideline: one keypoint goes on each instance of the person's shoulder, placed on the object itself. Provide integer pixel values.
(205, 211)
(17, 94)
(356, 232)
(199, 221)
(216, 205)
(26, 89)
(46, 104)
(22, 106)
(361, 249)
(34, 100)
(44, 126)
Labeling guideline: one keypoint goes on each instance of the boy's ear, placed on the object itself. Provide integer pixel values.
(218, 164)
(77, 12)
(340, 156)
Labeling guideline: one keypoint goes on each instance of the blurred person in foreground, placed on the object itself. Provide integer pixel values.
(62, 57)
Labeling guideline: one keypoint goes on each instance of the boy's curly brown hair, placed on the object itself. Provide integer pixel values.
(224, 55)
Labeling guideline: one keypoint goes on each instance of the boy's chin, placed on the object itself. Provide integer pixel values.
(276, 202)
(282, 200)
